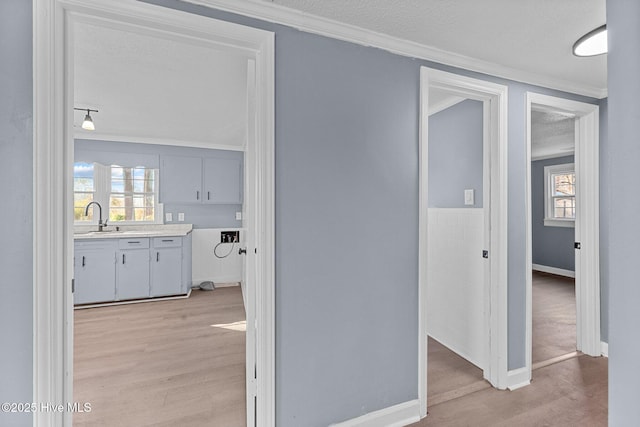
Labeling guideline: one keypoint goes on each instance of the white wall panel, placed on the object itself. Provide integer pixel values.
(455, 288)
(205, 264)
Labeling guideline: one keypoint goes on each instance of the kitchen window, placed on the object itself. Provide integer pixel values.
(128, 195)
(560, 195)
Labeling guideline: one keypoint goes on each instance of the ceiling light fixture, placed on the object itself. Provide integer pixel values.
(593, 43)
(87, 123)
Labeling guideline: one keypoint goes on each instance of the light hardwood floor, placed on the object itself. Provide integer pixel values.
(569, 393)
(554, 316)
(163, 363)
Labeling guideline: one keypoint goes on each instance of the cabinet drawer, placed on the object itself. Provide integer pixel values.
(167, 242)
(133, 243)
(90, 244)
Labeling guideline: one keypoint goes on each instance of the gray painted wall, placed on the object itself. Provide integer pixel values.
(16, 221)
(455, 155)
(623, 176)
(201, 216)
(346, 136)
(605, 202)
(551, 246)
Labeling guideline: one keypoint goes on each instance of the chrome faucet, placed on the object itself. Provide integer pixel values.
(101, 224)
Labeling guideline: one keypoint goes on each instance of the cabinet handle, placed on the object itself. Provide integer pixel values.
(197, 195)
(167, 240)
(122, 258)
(83, 260)
(135, 241)
(208, 198)
(157, 256)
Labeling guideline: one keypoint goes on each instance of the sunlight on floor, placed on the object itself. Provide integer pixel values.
(235, 326)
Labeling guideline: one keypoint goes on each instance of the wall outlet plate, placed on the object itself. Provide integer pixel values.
(468, 197)
(168, 217)
(238, 216)
(181, 216)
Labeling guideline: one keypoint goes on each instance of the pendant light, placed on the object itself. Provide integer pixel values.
(593, 43)
(87, 123)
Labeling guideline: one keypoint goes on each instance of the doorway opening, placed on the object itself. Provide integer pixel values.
(458, 182)
(563, 289)
(54, 196)
(553, 213)
(441, 91)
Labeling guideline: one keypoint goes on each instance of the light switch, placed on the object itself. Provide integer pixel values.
(238, 216)
(180, 216)
(468, 197)
(168, 217)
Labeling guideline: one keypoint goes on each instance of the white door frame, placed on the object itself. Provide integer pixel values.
(495, 96)
(587, 224)
(52, 160)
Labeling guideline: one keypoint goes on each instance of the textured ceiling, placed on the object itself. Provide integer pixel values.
(533, 36)
(157, 89)
(552, 134)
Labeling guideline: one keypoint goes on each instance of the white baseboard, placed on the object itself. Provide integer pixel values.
(398, 415)
(554, 270)
(219, 281)
(518, 378)
(604, 348)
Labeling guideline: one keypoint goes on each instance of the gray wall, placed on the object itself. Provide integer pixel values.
(551, 246)
(623, 176)
(455, 155)
(605, 202)
(346, 136)
(201, 216)
(16, 221)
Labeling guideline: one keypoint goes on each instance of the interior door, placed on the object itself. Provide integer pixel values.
(249, 264)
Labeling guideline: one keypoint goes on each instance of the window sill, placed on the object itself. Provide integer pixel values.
(568, 223)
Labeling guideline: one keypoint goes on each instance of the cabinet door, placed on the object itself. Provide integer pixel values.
(181, 179)
(222, 181)
(166, 271)
(94, 276)
(132, 274)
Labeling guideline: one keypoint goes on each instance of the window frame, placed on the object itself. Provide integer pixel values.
(550, 220)
(102, 194)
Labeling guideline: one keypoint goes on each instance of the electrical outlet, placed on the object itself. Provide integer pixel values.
(168, 217)
(468, 197)
(180, 216)
(238, 216)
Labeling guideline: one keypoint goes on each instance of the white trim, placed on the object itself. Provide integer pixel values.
(398, 415)
(137, 301)
(97, 136)
(587, 270)
(444, 104)
(518, 378)
(604, 348)
(555, 222)
(553, 156)
(268, 11)
(53, 190)
(495, 97)
(553, 270)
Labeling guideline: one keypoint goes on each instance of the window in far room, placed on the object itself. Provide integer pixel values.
(560, 195)
(126, 194)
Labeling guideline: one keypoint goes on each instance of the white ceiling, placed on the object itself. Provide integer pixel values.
(532, 37)
(152, 89)
(552, 133)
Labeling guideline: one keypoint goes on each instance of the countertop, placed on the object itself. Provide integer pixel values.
(89, 231)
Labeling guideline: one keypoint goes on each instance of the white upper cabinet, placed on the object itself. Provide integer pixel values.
(208, 180)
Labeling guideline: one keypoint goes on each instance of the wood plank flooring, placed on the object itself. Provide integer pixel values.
(163, 363)
(554, 316)
(570, 392)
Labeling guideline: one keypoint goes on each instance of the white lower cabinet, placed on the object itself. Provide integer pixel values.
(132, 269)
(94, 271)
(107, 270)
(166, 254)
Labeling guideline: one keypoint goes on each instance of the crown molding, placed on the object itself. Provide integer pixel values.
(277, 14)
